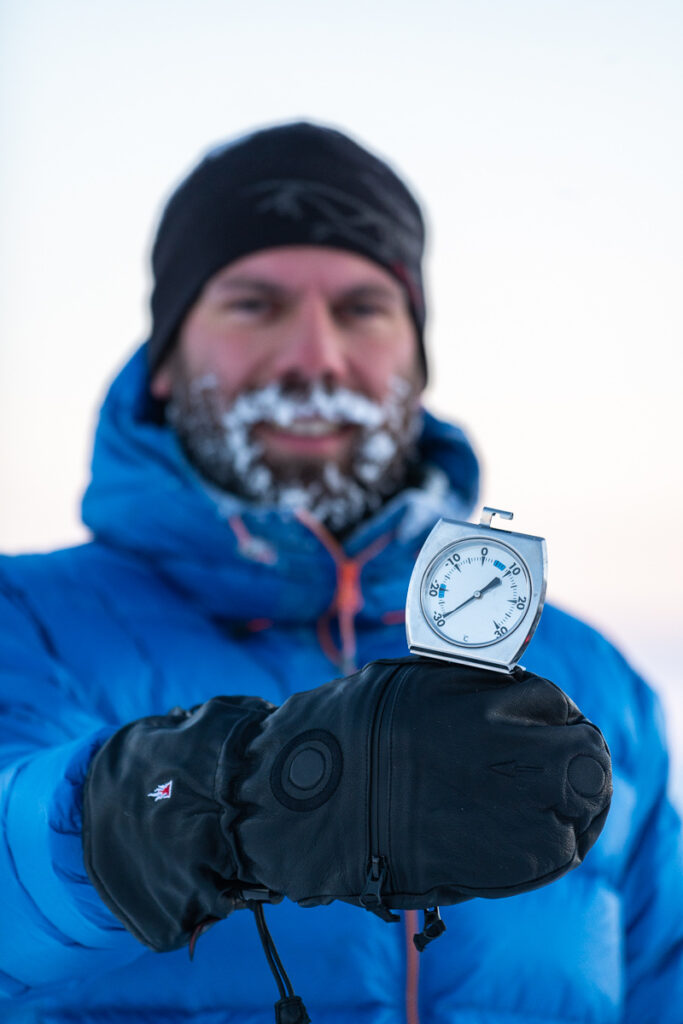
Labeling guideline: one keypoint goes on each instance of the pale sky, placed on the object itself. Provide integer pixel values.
(544, 139)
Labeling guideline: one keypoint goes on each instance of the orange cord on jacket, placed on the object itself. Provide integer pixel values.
(412, 967)
(346, 603)
(348, 596)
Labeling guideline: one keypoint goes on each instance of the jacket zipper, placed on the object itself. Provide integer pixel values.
(378, 860)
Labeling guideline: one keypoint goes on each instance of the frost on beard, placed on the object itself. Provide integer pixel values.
(218, 438)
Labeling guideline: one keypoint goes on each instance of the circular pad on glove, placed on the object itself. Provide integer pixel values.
(586, 775)
(307, 770)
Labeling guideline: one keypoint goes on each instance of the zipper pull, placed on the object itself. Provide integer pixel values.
(371, 896)
(433, 927)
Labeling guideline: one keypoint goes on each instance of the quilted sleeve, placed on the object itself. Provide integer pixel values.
(54, 926)
(652, 885)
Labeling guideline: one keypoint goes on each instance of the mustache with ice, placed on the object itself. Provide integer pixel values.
(218, 438)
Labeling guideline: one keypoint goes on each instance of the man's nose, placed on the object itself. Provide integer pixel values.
(313, 347)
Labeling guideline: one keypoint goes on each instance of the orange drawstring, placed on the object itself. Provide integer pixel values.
(394, 618)
(348, 596)
(254, 548)
(412, 968)
(258, 625)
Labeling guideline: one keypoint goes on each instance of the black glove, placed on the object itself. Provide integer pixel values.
(411, 783)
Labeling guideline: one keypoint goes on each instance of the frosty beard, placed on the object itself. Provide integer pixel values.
(218, 439)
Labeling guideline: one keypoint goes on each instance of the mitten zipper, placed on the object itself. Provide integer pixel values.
(378, 860)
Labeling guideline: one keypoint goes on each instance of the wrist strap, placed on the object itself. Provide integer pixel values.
(289, 1009)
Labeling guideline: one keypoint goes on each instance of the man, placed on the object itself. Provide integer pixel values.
(263, 478)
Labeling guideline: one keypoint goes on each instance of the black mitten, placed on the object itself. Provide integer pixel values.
(155, 818)
(409, 784)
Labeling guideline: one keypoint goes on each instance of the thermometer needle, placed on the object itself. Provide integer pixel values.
(495, 582)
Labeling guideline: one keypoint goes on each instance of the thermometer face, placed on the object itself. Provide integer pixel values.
(475, 592)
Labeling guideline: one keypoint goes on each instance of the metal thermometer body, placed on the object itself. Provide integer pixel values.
(476, 593)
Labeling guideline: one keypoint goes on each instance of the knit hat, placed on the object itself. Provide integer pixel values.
(293, 184)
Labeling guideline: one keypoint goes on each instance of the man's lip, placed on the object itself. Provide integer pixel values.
(308, 426)
(306, 435)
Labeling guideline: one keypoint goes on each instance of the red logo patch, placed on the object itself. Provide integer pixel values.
(163, 791)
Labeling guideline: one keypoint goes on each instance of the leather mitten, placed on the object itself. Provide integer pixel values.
(409, 784)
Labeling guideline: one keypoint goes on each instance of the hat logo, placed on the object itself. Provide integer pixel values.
(331, 213)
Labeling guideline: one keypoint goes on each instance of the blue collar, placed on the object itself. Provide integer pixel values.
(240, 561)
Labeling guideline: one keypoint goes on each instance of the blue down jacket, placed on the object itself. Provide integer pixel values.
(180, 597)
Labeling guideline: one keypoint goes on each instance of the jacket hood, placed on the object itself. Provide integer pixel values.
(239, 560)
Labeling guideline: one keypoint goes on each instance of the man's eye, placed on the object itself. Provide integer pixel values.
(365, 309)
(249, 305)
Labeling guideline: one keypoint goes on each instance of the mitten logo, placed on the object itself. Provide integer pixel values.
(162, 792)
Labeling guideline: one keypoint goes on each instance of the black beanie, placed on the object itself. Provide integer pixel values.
(293, 184)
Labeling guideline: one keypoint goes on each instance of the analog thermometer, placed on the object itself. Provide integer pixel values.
(476, 593)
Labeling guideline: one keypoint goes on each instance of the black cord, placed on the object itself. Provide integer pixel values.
(279, 973)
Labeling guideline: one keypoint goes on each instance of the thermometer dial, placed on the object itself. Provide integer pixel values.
(476, 592)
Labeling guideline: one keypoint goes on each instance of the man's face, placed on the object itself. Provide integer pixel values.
(295, 380)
